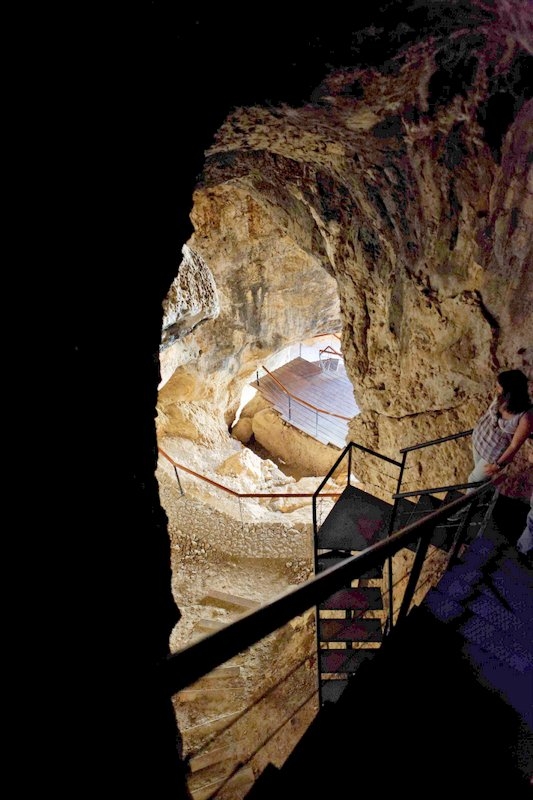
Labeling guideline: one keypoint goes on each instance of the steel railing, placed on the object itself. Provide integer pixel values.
(189, 663)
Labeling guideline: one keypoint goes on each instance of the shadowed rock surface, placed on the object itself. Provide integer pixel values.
(387, 152)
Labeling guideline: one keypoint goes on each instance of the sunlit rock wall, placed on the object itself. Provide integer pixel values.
(400, 197)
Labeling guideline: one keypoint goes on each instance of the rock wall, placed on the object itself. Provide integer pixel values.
(119, 118)
(397, 203)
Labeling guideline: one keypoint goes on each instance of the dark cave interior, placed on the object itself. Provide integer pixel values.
(132, 104)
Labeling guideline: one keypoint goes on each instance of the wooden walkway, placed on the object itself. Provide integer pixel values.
(309, 387)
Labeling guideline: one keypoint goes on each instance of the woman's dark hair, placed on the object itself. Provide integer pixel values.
(515, 390)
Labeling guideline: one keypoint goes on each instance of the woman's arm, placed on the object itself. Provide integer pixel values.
(522, 433)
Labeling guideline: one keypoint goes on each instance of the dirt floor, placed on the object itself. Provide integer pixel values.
(226, 561)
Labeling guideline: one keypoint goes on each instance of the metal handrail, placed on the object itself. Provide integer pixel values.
(321, 335)
(449, 438)
(234, 493)
(187, 665)
(329, 349)
(437, 489)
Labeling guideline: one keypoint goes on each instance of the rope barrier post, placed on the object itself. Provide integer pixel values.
(178, 479)
(240, 512)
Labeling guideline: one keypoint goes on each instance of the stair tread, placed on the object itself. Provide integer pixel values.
(346, 660)
(344, 630)
(504, 647)
(460, 581)
(326, 560)
(516, 687)
(517, 572)
(356, 521)
(488, 606)
(442, 606)
(360, 599)
(518, 598)
(332, 690)
(482, 545)
(479, 552)
(411, 510)
(444, 532)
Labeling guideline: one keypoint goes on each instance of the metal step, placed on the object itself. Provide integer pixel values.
(356, 521)
(350, 599)
(460, 582)
(515, 687)
(479, 552)
(487, 606)
(348, 630)
(445, 531)
(443, 607)
(344, 661)
(411, 511)
(499, 644)
(332, 690)
(334, 557)
(517, 596)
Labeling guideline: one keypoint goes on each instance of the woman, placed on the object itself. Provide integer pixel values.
(502, 430)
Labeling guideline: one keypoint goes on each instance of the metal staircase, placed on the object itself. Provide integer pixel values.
(446, 703)
(351, 624)
(435, 693)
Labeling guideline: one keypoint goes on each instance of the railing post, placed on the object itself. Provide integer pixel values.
(460, 535)
(416, 569)
(315, 528)
(390, 576)
(240, 512)
(350, 448)
(178, 479)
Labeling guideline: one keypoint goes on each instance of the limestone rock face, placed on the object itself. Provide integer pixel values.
(242, 430)
(295, 448)
(271, 294)
(396, 205)
(191, 299)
